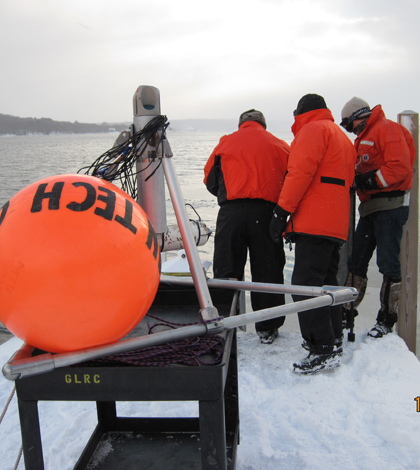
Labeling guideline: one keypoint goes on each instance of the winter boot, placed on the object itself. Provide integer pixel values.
(268, 336)
(338, 344)
(322, 358)
(379, 330)
(388, 314)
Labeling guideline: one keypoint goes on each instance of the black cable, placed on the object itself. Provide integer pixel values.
(198, 215)
(118, 163)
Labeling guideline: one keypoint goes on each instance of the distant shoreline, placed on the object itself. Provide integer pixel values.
(17, 126)
(13, 125)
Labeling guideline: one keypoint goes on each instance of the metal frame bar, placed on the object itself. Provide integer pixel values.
(17, 368)
(253, 286)
(198, 275)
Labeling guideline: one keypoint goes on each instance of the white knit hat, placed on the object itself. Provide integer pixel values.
(356, 108)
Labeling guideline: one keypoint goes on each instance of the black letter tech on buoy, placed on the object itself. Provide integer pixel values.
(53, 196)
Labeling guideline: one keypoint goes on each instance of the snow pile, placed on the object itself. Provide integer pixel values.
(361, 416)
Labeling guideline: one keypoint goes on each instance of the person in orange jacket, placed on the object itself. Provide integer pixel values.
(246, 172)
(313, 211)
(384, 173)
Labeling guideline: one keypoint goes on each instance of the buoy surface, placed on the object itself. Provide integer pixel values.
(79, 263)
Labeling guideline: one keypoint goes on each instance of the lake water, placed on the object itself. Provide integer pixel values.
(26, 159)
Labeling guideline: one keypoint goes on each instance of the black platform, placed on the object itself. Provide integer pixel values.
(206, 442)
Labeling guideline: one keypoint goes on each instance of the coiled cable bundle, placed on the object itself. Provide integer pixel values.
(118, 163)
(198, 351)
(188, 351)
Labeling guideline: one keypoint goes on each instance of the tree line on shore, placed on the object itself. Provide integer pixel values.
(12, 125)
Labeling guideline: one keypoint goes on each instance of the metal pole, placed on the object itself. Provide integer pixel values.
(407, 315)
(18, 367)
(151, 191)
(48, 362)
(254, 286)
(208, 311)
(273, 312)
(350, 320)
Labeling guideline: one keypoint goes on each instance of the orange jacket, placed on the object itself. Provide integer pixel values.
(388, 147)
(249, 163)
(321, 164)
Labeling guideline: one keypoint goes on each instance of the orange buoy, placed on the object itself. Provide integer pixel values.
(79, 263)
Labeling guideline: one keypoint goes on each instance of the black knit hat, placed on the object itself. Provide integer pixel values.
(309, 103)
(252, 115)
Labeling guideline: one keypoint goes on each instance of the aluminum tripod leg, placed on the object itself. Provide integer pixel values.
(208, 311)
(17, 368)
(254, 286)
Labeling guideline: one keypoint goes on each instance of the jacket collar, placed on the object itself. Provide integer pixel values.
(254, 124)
(305, 118)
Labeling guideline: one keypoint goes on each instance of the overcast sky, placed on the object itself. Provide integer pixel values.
(84, 59)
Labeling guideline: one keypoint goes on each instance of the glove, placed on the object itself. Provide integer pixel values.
(278, 223)
(366, 181)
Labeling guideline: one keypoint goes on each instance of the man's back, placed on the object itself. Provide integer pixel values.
(249, 164)
(320, 174)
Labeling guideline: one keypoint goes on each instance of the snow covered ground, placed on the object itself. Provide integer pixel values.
(361, 416)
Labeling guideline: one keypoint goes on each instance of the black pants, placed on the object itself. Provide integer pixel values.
(316, 264)
(243, 226)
